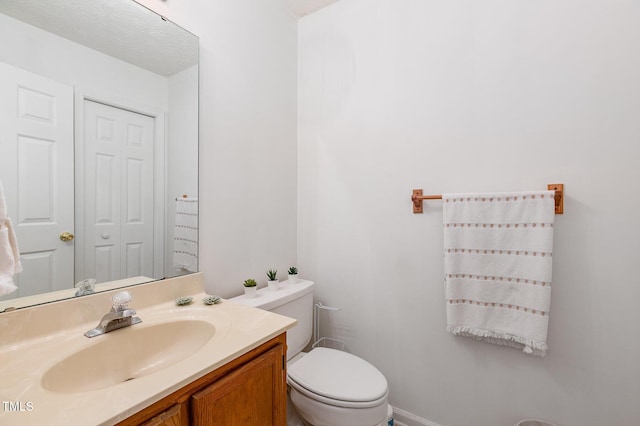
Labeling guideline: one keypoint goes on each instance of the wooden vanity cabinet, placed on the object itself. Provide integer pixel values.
(250, 390)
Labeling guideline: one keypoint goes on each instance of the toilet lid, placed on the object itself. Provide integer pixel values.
(338, 375)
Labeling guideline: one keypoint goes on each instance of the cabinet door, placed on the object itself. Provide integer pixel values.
(174, 416)
(252, 395)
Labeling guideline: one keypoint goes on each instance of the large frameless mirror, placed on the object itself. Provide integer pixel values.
(98, 145)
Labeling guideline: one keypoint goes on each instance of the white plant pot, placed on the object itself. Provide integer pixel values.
(293, 279)
(273, 285)
(250, 292)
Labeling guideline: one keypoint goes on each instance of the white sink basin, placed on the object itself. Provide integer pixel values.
(128, 354)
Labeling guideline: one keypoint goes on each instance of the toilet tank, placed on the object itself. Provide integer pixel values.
(291, 300)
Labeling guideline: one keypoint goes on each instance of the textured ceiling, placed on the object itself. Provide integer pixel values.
(304, 7)
(120, 28)
(124, 29)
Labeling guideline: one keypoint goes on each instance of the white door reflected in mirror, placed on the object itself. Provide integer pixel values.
(118, 193)
(36, 159)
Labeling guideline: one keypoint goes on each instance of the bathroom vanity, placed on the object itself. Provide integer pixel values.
(182, 365)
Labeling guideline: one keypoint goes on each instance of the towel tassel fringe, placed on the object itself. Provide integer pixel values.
(528, 346)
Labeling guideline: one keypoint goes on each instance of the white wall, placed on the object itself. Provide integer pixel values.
(247, 178)
(182, 154)
(454, 96)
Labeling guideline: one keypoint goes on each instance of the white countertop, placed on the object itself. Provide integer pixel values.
(34, 339)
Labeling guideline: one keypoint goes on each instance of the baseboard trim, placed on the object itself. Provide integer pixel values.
(404, 418)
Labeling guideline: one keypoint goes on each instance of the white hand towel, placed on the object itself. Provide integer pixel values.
(497, 261)
(185, 247)
(9, 252)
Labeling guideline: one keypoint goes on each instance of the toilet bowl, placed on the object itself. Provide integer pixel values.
(327, 387)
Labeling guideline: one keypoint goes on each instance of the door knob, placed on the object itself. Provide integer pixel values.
(67, 236)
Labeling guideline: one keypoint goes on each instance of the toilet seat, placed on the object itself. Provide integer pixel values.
(338, 378)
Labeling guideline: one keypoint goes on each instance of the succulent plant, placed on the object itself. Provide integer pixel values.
(272, 274)
(211, 300)
(250, 283)
(293, 270)
(184, 301)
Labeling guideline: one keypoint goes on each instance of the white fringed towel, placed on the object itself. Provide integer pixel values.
(9, 253)
(185, 247)
(498, 250)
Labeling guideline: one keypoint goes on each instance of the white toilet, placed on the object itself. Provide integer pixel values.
(328, 387)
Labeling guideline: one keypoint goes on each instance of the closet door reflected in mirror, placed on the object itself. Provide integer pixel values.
(118, 198)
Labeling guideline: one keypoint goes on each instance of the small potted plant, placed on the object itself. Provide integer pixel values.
(293, 275)
(250, 287)
(272, 275)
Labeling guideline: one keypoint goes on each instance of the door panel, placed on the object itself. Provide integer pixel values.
(36, 168)
(118, 197)
(252, 395)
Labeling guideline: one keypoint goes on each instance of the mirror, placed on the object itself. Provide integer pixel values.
(98, 145)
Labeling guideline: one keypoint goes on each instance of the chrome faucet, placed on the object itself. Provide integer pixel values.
(119, 316)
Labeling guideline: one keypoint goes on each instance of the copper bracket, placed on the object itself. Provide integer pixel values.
(416, 199)
(558, 197)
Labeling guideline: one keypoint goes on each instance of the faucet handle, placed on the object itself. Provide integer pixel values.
(121, 300)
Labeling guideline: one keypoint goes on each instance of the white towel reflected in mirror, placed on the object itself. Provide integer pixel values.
(9, 253)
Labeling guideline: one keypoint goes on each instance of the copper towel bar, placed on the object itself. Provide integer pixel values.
(417, 198)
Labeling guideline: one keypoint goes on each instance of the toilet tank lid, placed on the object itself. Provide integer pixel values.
(270, 299)
(338, 375)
